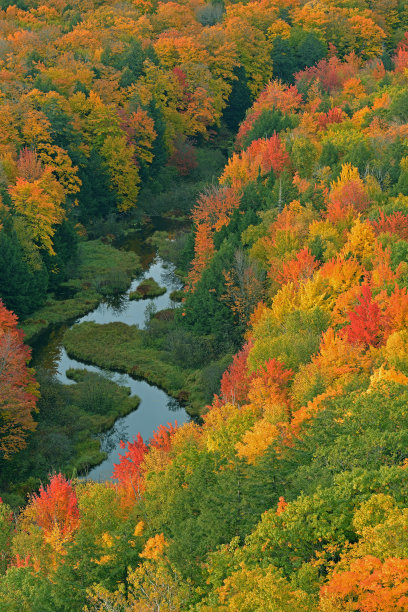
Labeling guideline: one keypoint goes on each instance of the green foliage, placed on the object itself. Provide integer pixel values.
(239, 100)
(293, 342)
(269, 122)
(205, 311)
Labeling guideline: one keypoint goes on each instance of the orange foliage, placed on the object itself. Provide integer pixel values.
(55, 508)
(262, 156)
(298, 270)
(370, 585)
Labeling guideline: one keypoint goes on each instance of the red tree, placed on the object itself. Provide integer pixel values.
(128, 470)
(367, 322)
(56, 506)
(162, 436)
(397, 223)
(18, 388)
(236, 380)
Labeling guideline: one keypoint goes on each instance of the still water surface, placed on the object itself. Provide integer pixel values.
(156, 407)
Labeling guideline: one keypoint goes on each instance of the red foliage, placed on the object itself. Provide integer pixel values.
(182, 81)
(235, 381)
(18, 389)
(400, 59)
(29, 166)
(397, 223)
(183, 158)
(367, 322)
(298, 269)
(330, 73)
(57, 506)
(274, 373)
(162, 437)
(334, 115)
(128, 470)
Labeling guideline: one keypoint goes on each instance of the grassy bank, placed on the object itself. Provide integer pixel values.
(120, 347)
(69, 420)
(101, 270)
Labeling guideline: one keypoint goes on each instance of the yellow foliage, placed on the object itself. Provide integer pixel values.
(260, 589)
(348, 173)
(396, 349)
(103, 560)
(154, 547)
(139, 528)
(225, 425)
(387, 375)
(284, 302)
(361, 242)
(256, 440)
(279, 28)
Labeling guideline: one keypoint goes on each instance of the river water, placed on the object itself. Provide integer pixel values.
(156, 407)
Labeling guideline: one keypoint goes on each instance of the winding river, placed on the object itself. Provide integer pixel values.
(156, 407)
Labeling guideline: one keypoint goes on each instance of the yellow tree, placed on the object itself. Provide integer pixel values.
(40, 204)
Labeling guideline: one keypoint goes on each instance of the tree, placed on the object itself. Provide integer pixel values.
(22, 289)
(366, 321)
(128, 470)
(236, 379)
(298, 270)
(39, 203)
(18, 388)
(55, 510)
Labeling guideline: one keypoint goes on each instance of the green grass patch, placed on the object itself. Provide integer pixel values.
(148, 288)
(178, 295)
(102, 270)
(120, 347)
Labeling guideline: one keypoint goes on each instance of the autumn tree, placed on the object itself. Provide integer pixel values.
(366, 321)
(18, 388)
(55, 510)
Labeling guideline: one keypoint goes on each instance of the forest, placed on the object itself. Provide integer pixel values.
(273, 136)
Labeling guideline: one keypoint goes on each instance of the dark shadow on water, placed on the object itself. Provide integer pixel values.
(173, 404)
(110, 440)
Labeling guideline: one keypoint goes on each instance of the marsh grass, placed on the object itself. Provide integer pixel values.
(124, 348)
(101, 270)
(148, 288)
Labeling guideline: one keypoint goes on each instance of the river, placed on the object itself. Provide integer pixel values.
(156, 407)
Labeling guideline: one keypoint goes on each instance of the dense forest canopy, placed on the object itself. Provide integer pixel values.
(292, 491)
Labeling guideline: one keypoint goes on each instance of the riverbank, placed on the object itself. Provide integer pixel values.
(123, 348)
(101, 271)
